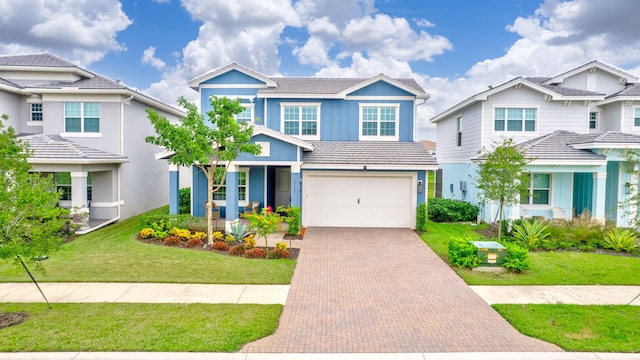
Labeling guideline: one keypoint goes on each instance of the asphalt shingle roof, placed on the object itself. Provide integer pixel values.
(557, 146)
(44, 60)
(323, 85)
(55, 147)
(368, 153)
(631, 90)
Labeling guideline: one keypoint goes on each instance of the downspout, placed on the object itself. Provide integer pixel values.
(121, 153)
(424, 99)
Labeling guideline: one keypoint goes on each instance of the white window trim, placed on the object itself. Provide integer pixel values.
(529, 206)
(459, 131)
(505, 131)
(31, 122)
(250, 106)
(597, 120)
(633, 118)
(301, 104)
(81, 133)
(378, 137)
(240, 202)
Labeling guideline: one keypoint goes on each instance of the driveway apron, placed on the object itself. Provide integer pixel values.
(384, 290)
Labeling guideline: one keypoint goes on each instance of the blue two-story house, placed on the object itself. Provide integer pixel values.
(343, 150)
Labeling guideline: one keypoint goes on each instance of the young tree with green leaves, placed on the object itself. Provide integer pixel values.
(31, 223)
(500, 175)
(210, 147)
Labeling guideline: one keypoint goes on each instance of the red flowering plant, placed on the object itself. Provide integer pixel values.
(264, 223)
(292, 216)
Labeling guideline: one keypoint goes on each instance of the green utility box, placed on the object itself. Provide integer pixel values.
(490, 253)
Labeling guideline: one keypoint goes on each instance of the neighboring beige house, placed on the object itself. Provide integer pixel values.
(87, 131)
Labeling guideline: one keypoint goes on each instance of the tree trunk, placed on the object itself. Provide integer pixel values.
(500, 218)
(209, 207)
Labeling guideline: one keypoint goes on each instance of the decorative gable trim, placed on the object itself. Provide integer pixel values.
(263, 130)
(385, 78)
(195, 83)
(592, 66)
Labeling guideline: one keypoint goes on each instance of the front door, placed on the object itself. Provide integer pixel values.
(283, 186)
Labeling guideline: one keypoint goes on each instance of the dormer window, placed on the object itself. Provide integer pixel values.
(301, 120)
(379, 121)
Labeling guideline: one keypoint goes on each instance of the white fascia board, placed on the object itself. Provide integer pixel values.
(568, 162)
(12, 89)
(298, 96)
(76, 161)
(164, 154)
(266, 162)
(55, 69)
(311, 166)
(262, 130)
(618, 98)
(593, 64)
(385, 78)
(589, 146)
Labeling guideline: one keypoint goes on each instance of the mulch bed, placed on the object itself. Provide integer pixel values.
(293, 252)
(12, 318)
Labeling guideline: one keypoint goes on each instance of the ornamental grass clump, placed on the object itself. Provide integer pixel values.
(620, 240)
(530, 232)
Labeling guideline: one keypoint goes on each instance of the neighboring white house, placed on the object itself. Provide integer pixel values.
(576, 127)
(88, 132)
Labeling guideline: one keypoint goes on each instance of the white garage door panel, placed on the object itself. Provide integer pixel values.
(358, 201)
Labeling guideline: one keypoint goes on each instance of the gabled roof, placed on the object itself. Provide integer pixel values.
(606, 140)
(48, 62)
(194, 83)
(624, 77)
(552, 92)
(260, 129)
(630, 92)
(89, 82)
(55, 149)
(367, 153)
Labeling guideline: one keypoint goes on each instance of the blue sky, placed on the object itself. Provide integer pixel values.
(453, 48)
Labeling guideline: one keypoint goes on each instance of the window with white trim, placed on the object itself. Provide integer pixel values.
(593, 120)
(35, 112)
(81, 117)
(63, 184)
(538, 191)
(379, 121)
(243, 186)
(246, 115)
(636, 117)
(301, 119)
(514, 119)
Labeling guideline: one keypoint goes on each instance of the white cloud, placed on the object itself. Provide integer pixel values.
(148, 57)
(82, 31)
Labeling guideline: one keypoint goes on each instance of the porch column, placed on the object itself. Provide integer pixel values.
(296, 192)
(79, 189)
(174, 189)
(599, 192)
(231, 185)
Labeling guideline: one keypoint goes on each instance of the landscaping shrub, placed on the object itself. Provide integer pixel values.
(277, 253)
(194, 242)
(184, 200)
(281, 245)
(421, 217)
(292, 216)
(183, 234)
(448, 210)
(620, 240)
(255, 253)
(462, 253)
(217, 236)
(530, 232)
(237, 250)
(199, 235)
(517, 259)
(230, 239)
(239, 229)
(165, 222)
(146, 233)
(250, 241)
(220, 246)
(172, 241)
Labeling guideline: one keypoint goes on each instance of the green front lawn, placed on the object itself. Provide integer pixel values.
(578, 328)
(547, 268)
(113, 254)
(138, 327)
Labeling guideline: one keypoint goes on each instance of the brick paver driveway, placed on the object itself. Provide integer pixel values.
(384, 290)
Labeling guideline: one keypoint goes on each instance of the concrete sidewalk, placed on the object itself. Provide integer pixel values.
(144, 293)
(277, 294)
(578, 295)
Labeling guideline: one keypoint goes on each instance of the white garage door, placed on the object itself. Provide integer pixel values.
(347, 199)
